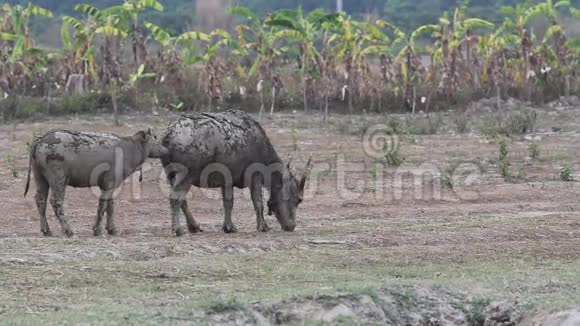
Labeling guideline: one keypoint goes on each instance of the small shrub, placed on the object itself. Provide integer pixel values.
(534, 151)
(393, 156)
(447, 178)
(396, 125)
(11, 165)
(224, 306)
(489, 127)
(522, 174)
(519, 123)
(514, 123)
(343, 128)
(460, 121)
(294, 140)
(566, 173)
(476, 312)
(350, 128)
(426, 125)
(504, 159)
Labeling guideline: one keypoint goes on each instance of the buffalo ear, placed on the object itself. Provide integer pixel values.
(305, 174)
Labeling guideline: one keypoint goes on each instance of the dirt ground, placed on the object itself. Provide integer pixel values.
(362, 230)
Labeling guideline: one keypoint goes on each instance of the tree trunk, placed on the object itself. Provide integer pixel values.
(261, 104)
(304, 94)
(414, 99)
(273, 100)
(155, 108)
(325, 108)
(305, 79)
(115, 107)
(498, 91)
(350, 106)
(48, 99)
(380, 100)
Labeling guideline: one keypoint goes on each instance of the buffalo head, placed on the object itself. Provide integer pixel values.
(287, 195)
(149, 143)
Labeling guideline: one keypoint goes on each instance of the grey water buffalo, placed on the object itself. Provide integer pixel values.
(63, 158)
(227, 150)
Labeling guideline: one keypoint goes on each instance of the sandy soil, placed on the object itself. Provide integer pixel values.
(518, 239)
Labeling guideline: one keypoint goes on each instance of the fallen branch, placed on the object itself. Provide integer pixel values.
(323, 242)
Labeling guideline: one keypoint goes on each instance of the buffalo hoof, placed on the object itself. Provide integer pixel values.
(47, 233)
(179, 232)
(97, 232)
(263, 227)
(69, 233)
(194, 228)
(289, 228)
(112, 231)
(229, 228)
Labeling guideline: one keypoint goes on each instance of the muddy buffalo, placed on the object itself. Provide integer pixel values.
(63, 158)
(227, 150)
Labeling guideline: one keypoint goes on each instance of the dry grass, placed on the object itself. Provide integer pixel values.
(515, 240)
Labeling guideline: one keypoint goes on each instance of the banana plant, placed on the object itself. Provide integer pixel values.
(574, 43)
(261, 38)
(107, 22)
(255, 35)
(134, 9)
(15, 21)
(301, 29)
(22, 58)
(138, 75)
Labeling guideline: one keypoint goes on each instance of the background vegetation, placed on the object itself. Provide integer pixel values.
(270, 58)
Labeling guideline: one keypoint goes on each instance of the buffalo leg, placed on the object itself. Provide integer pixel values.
(41, 198)
(176, 200)
(257, 200)
(228, 198)
(192, 225)
(57, 202)
(111, 230)
(105, 200)
(100, 211)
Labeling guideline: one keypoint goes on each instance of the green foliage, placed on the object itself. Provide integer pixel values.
(32, 107)
(566, 173)
(393, 156)
(424, 125)
(534, 151)
(476, 311)
(504, 159)
(10, 162)
(520, 122)
(294, 140)
(447, 178)
(220, 306)
(508, 124)
(460, 121)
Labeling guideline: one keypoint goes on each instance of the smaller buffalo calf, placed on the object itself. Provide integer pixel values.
(63, 158)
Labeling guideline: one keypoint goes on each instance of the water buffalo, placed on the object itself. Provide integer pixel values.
(85, 159)
(226, 150)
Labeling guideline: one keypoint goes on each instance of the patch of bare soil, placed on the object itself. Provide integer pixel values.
(402, 306)
(563, 318)
(359, 226)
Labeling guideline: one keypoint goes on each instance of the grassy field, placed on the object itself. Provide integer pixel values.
(361, 233)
